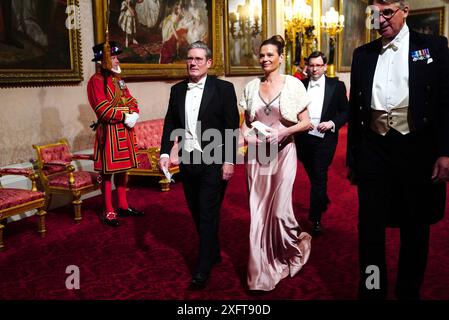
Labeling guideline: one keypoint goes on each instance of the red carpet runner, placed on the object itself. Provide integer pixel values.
(152, 257)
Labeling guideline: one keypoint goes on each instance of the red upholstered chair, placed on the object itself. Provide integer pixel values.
(149, 134)
(58, 175)
(15, 201)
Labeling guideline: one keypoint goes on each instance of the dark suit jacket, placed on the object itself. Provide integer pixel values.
(335, 108)
(428, 100)
(218, 110)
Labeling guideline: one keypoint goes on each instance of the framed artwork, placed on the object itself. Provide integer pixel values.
(39, 42)
(154, 34)
(354, 33)
(245, 29)
(430, 21)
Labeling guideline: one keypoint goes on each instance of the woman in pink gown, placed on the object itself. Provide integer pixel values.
(278, 247)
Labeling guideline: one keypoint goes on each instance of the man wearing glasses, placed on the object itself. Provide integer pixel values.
(328, 112)
(398, 146)
(202, 106)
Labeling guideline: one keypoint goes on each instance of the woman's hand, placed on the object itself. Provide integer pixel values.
(252, 139)
(248, 134)
(276, 136)
(309, 126)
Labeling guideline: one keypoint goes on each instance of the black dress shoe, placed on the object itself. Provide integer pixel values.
(110, 219)
(130, 212)
(316, 229)
(199, 281)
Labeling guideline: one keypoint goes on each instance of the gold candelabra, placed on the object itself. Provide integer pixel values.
(332, 23)
(299, 33)
(244, 24)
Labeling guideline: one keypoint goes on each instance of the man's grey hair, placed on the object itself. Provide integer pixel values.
(401, 3)
(201, 45)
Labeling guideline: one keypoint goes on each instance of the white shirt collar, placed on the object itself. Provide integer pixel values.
(202, 81)
(320, 82)
(398, 40)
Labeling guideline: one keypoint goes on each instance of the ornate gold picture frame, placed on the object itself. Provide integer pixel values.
(430, 21)
(154, 35)
(40, 43)
(245, 29)
(354, 33)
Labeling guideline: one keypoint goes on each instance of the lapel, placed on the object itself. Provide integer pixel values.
(412, 67)
(329, 88)
(182, 103)
(305, 82)
(208, 93)
(370, 67)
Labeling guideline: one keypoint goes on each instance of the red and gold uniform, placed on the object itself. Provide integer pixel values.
(115, 144)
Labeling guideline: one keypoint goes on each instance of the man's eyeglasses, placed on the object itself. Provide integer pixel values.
(388, 13)
(197, 60)
(311, 66)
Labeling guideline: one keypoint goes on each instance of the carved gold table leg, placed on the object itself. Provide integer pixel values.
(77, 207)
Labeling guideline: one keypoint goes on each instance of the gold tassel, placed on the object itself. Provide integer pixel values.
(106, 63)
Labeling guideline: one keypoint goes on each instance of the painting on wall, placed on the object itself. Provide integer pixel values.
(245, 29)
(429, 21)
(154, 34)
(39, 42)
(354, 33)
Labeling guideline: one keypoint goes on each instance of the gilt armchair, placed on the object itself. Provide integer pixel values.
(58, 175)
(149, 134)
(14, 201)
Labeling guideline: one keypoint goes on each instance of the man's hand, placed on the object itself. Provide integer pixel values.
(441, 170)
(227, 171)
(164, 162)
(325, 126)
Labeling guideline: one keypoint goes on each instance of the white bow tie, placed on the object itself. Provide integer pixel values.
(314, 84)
(391, 45)
(192, 85)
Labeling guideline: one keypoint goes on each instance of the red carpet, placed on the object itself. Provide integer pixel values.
(151, 257)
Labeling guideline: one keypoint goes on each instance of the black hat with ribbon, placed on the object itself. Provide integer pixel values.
(104, 51)
(99, 50)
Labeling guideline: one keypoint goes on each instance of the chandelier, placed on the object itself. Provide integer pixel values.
(332, 23)
(298, 31)
(297, 13)
(245, 27)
